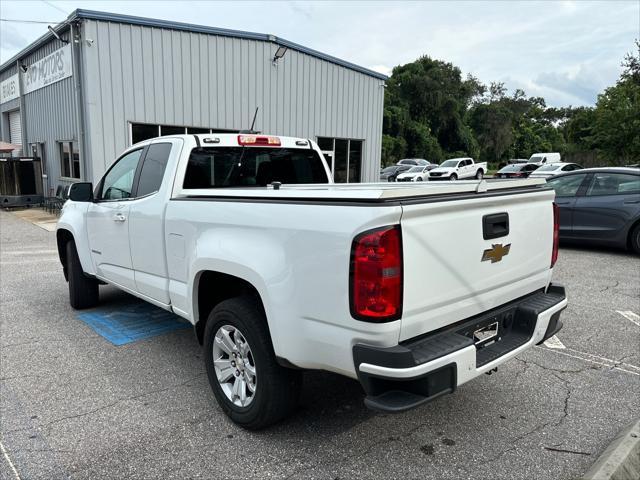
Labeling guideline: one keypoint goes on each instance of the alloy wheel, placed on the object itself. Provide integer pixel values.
(234, 365)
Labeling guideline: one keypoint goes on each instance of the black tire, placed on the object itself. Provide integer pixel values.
(83, 291)
(391, 179)
(453, 177)
(419, 179)
(277, 388)
(634, 240)
(479, 174)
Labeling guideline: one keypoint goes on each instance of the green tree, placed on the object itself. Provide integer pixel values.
(425, 104)
(616, 130)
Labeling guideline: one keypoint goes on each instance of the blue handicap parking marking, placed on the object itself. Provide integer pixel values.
(132, 322)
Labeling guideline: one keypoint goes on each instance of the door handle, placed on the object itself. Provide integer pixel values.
(563, 203)
(119, 217)
(631, 202)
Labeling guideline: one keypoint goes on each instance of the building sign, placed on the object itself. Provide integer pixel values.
(52, 68)
(9, 89)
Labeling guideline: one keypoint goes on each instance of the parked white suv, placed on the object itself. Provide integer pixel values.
(458, 169)
(279, 270)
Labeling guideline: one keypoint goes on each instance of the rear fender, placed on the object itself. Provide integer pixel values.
(258, 261)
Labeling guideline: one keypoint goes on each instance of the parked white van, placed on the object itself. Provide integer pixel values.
(542, 158)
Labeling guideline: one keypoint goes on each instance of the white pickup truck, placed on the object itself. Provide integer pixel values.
(458, 169)
(413, 289)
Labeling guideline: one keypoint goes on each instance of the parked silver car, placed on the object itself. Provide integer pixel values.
(551, 169)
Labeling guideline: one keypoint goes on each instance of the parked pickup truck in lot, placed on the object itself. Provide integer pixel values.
(458, 169)
(279, 270)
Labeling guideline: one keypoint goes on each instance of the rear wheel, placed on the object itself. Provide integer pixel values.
(635, 239)
(479, 174)
(453, 177)
(83, 291)
(247, 381)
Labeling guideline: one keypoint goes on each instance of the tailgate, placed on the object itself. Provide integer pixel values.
(445, 279)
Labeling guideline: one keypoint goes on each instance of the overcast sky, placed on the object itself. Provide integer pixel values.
(565, 51)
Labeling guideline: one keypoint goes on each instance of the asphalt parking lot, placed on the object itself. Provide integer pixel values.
(75, 405)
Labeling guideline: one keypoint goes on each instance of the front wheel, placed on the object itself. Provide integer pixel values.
(391, 179)
(419, 179)
(83, 291)
(479, 174)
(453, 177)
(248, 383)
(635, 239)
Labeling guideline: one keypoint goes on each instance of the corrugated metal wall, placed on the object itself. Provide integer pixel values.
(6, 107)
(50, 115)
(150, 75)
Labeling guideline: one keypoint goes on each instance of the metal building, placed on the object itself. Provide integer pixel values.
(100, 82)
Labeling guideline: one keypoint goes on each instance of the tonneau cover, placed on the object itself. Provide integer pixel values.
(365, 191)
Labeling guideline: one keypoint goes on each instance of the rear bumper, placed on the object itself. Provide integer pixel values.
(398, 378)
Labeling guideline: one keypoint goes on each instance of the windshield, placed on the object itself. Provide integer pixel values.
(415, 169)
(389, 169)
(450, 163)
(255, 167)
(535, 159)
(512, 168)
(548, 168)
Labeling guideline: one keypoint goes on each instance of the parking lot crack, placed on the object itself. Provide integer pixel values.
(104, 407)
(555, 423)
(364, 452)
(558, 370)
(562, 450)
(607, 287)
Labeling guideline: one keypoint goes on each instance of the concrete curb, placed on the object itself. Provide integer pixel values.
(621, 459)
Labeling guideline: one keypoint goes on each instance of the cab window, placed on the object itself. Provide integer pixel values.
(152, 171)
(117, 184)
(566, 186)
(614, 184)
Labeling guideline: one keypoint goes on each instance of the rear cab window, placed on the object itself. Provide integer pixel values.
(153, 168)
(228, 167)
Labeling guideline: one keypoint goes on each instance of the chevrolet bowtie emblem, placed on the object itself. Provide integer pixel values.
(496, 252)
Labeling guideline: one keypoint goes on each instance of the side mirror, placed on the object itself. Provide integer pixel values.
(81, 192)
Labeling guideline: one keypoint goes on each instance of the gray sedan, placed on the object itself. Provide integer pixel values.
(600, 206)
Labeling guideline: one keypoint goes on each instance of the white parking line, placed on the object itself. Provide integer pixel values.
(629, 315)
(29, 252)
(605, 358)
(597, 363)
(6, 456)
(554, 342)
(24, 262)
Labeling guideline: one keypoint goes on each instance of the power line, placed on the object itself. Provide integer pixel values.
(14, 20)
(52, 5)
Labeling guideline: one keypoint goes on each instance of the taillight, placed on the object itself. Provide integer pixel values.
(556, 234)
(258, 140)
(376, 275)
